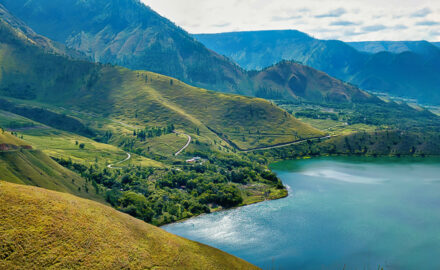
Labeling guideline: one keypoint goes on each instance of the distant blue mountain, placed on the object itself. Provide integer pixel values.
(420, 47)
(412, 72)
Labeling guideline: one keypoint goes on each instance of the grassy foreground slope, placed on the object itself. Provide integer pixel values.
(22, 165)
(139, 98)
(46, 229)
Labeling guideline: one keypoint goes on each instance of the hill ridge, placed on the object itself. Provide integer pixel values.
(138, 98)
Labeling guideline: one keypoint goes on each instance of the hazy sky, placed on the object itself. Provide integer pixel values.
(348, 20)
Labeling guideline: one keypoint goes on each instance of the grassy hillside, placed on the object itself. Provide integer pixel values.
(139, 99)
(21, 165)
(65, 145)
(10, 141)
(46, 229)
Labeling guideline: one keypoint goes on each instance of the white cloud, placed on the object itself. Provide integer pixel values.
(422, 12)
(336, 13)
(353, 20)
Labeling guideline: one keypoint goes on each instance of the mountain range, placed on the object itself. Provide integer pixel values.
(411, 73)
(130, 34)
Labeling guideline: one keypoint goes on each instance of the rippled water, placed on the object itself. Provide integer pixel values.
(360, 213)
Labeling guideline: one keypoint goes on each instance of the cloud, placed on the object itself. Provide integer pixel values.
(427, 23)
(343, 23)
(304, 10)
(285, 18)
(352, 33)
(421, 13)
(221, 25)
(374, 28)
(400, 27)
(324, 30)
(336, 13)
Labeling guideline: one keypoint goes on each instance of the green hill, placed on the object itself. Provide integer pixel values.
(43, 229)
(137, 98)
(22, 165)
(65, 145)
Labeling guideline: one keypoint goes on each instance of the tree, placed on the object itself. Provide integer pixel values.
(136, 205)
(82, 146)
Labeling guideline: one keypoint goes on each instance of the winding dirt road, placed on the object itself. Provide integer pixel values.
(286, 144)
(127, 159)
(186, 145)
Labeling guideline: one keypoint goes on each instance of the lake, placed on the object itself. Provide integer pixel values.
(356, 213)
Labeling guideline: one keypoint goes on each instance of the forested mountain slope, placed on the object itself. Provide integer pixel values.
(130, 34)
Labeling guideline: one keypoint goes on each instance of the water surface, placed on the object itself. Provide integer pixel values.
(360, 213)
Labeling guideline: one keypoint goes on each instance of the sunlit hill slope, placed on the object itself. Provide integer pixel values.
(20, 164)
(46, 229)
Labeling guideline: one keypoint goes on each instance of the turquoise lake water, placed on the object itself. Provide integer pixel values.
(356, 213)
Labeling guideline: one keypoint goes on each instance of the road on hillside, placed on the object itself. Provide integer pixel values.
(286, 144)
(127, 159)
(186, 145)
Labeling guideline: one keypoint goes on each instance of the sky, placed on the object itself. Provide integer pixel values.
(347, 20)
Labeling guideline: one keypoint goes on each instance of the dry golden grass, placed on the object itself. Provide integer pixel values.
(7, 138)
(41, 229)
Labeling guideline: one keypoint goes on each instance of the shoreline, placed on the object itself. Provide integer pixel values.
(287, 188)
